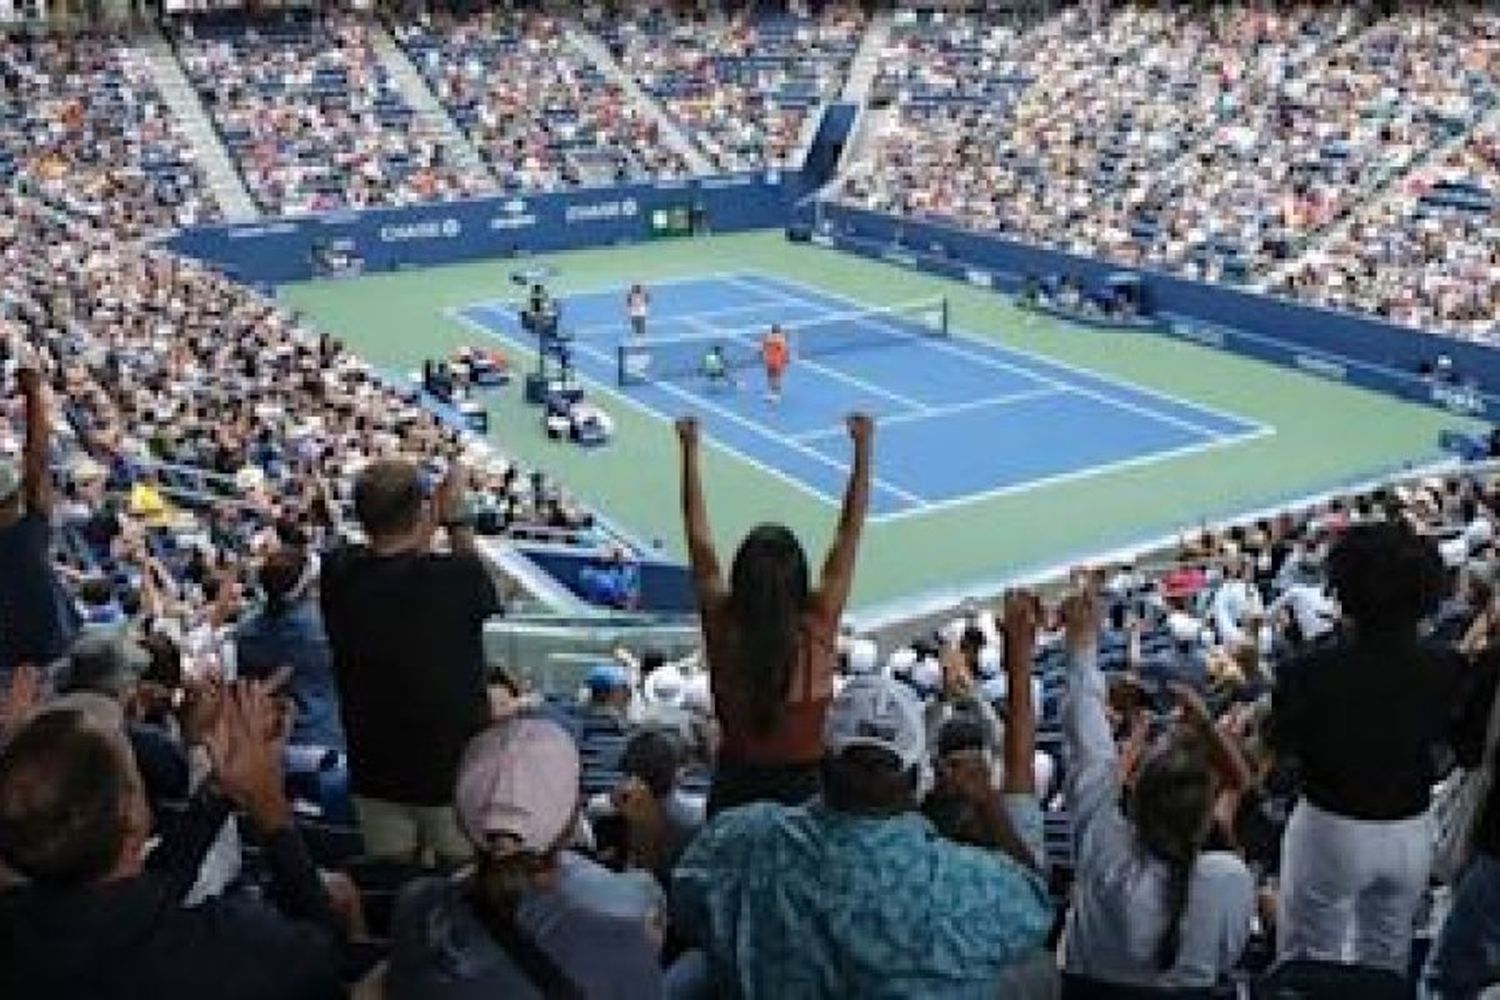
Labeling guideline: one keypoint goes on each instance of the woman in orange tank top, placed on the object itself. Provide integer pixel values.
(769, 638)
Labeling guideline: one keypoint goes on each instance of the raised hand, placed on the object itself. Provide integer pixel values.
(861, 427)
(1080, 614)
(1021, 617)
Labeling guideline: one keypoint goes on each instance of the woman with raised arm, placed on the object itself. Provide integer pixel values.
(1152, 905)
(770, 638)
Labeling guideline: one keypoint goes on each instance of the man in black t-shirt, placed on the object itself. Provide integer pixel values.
(37, 621)
(405, 626)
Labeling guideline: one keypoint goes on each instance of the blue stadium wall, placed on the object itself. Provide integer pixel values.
(1324, 342)
(1328, 343)
(280, 250)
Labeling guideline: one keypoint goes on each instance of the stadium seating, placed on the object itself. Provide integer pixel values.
(306, 109)
(82, 126)
(744, 85)
(542, 115)
(1343, 155)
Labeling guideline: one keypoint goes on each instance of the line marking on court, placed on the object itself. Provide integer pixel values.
(460, 315)
(938, 343)
(619, 329)
(792, 292)
(998, 347)
(611, 288)
(1083, 472)
(699, 402)
(938, 412)
(744, 335)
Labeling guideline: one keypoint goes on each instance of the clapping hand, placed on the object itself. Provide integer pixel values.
(246, 749)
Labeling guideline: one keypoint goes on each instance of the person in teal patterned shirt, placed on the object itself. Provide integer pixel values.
(856, 893)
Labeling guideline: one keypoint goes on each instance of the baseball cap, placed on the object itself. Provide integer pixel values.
(10, 478)
(879, 712)
(518, 779)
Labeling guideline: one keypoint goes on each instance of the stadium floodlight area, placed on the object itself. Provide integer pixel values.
(660, 358)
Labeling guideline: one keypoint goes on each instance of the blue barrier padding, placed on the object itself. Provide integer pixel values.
(278, 251)
(1361, 350)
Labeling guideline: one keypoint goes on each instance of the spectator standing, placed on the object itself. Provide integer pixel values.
(771, 640)
(1151, 906)
(405, 625)
(508, 929)
(856, 893)
(1359, 716)
(37, 621)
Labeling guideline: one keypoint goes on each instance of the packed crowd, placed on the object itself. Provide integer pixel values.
(310, 115)
(542, 115)
(1218, 142)
(85, 129)
(1261, 757)
(1299, 157)
(745, 84)
(1100, 101)
(1426, 256)
(206, 425)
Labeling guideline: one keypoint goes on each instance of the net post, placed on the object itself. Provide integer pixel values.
(943, 313)
(621, 362)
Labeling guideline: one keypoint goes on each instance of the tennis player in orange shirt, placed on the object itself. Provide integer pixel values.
(775, 354)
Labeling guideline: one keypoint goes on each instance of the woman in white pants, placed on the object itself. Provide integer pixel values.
(1360, 715)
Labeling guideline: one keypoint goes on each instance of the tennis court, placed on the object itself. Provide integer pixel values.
(1016, 443)
(961, 418)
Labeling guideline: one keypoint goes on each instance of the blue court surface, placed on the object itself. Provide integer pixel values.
(960, 418)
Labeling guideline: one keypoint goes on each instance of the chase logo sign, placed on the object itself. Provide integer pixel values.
(424, 229)
(514, 214)
(602, 211)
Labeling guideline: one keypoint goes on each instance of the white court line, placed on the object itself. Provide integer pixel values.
(1042, 359)
(615, 288)
(1083, 472)
(617, 329)
(938, 412)
(833, 373)
(457, 314)
(697, 401)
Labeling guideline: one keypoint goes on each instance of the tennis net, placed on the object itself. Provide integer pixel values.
(649, 359)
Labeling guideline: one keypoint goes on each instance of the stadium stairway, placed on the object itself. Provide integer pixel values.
(431, 117)
(866, 62)
(588, 45)
(224, 181)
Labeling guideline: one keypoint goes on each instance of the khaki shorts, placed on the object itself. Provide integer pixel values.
(421, 834)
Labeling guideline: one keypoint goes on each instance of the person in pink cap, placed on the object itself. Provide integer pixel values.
(506, 928)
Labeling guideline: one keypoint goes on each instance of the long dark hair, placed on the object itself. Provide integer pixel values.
(495, 895)
(1170, 805)
(768, 592)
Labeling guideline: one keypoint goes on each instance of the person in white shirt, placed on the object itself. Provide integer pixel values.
(637, 303)
(1151, 907)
